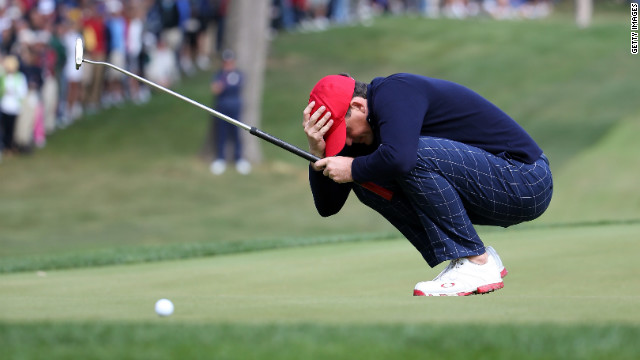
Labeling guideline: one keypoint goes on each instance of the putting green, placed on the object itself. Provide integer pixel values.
(570, 275)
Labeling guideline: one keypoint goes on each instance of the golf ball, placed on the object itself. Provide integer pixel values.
(164, 307)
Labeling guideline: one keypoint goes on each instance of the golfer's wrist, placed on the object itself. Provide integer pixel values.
(315, 152)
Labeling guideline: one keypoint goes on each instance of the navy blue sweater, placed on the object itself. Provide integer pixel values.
(403, 107)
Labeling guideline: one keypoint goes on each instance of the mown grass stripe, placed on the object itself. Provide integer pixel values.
(310, 341)
(142, 254)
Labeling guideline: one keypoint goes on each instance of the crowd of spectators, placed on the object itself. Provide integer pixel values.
(41, 91)
(318, 15)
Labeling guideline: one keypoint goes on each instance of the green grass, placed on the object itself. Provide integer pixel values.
(132, 255)
(133, 177)
(306, 341)
(565, 85)
(551, 280)
(120, 210)
(601, 181)
(338, 300)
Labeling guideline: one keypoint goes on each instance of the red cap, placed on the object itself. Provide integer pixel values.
(335, 93)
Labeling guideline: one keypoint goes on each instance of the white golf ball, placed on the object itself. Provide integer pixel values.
(164, 307)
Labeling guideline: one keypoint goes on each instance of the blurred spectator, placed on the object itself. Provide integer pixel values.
(14, 91)
(460, 9)
(381, 6)
(204, 15)
(340, 11)
(29, 128)
(30, 118)
(171, 34)
(318, 10)
(282, 16)
(116, 31)
(226, 87)
(8, 15)
(299, 10)
(430, 8)
(163, 67)
(95, 48)
(220, 10)
(135, 51)
(189, 50)
(53, 87)
(71, 77)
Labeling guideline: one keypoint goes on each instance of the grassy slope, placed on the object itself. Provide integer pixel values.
(565, 85)
(602, 183)
(131, 177)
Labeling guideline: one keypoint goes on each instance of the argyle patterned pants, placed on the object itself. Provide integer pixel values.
(454, 186)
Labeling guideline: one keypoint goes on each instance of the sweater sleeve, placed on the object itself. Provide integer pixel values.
(328, 196)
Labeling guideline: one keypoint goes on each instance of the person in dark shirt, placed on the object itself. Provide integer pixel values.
(450, 157)
(226, 86)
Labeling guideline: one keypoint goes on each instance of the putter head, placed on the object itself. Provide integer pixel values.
(79, 53)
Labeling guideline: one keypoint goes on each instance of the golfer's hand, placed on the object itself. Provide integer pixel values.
(337, 168)
(316, 126)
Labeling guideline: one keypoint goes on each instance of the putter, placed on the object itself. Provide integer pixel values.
(375, 188)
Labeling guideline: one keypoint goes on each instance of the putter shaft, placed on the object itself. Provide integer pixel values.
(375, 188)
(184, 98)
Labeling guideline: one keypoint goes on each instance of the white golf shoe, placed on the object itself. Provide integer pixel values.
(243, 167)
(463, 277)
(218, 167)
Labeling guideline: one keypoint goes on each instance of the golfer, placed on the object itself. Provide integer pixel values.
(451, 158)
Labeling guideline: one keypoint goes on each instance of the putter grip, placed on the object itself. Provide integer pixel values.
(285, 145)
(375, 188)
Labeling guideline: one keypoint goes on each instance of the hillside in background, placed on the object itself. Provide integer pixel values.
(132, 177)
(601, 183)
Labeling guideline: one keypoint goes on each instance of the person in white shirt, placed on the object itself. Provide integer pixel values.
(14, 90)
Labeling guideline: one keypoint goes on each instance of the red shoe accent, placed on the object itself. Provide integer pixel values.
(504, 272)
(418, 293)
(490, 287)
